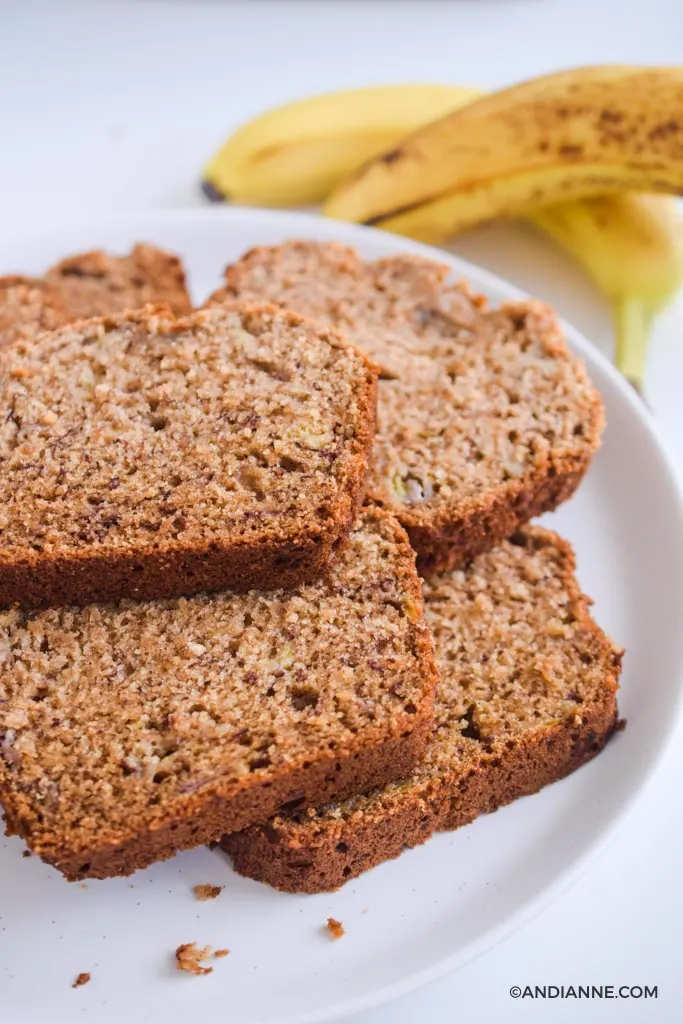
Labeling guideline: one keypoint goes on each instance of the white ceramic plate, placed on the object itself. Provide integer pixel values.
(436, 907)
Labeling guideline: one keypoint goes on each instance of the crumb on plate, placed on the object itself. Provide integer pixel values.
(335, 928)
(206, 891)
(188, 957)
(82, 979)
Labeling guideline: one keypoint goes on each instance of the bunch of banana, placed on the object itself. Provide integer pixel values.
(429, 161)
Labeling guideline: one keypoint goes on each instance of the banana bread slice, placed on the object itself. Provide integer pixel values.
(130, 731)
(484, 419)
(143, 456)
(28, 307)
(526, 694)
(97, 284)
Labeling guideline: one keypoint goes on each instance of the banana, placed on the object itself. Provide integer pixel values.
(577, 133)
(630, 243)
(632, 247)
(298, 153)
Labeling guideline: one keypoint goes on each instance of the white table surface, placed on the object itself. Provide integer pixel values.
(115, 105)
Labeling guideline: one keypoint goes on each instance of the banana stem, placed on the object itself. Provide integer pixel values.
(632, 324)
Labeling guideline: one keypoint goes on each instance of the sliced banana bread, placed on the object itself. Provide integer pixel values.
(526, 694)
(484, 419)
(28, 307)
(130, 731)
(96, 284)
(142, 456)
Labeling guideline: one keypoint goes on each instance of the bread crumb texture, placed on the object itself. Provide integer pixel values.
(335, 928)
(207, 892)
(28, 308)
(221, 436)
(82, 979)
(130, 731)
(96, 284)
(527, 693)
(484, 418)
(189, 956)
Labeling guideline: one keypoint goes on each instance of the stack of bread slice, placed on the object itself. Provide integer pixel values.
(212, 626)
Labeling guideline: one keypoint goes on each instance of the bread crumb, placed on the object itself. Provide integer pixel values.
(188, 956)
(206, 891)
(82, 979)
(26, 853)
(621, 724)
(82, 885)
(335, 928)
(220, 953)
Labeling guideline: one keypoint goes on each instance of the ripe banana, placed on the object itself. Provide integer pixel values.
(582, 132)
(631, 244)
(632, 247)
(298, 153)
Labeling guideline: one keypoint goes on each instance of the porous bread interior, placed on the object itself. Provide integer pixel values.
(517, 653)
(144, 431)
(112, 715)
(471, 399)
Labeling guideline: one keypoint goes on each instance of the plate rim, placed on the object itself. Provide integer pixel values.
(301, 221)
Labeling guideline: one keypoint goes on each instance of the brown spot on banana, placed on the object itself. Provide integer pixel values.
(393, 156)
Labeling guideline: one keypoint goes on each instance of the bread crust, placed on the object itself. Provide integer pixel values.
(322, 852)
(344, 849)
(97, 284)
(178, 568)
(444, 543)
(374, 759)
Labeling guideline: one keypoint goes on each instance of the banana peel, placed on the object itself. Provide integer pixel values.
(631, 245)
(584, 132)
(298, 153)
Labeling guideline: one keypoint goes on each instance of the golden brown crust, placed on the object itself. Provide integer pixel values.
(345, 849)
(373, 760)
(157, 572)
(443, 543)
(136, 773)
(83, 569)
(97, 284)
(28, 307)
(509, 719)
(485, 420)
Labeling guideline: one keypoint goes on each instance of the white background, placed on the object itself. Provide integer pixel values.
(116, 105)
